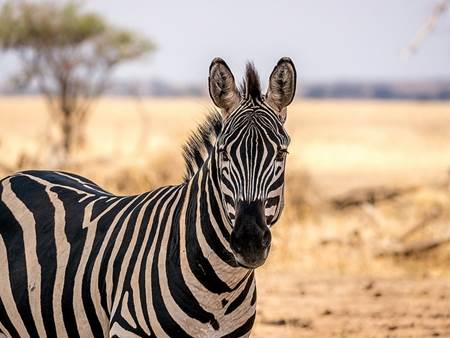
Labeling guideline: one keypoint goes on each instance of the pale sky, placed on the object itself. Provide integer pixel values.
(329, 40)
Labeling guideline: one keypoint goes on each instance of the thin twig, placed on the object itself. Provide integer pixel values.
(427, 28)
(414, 248)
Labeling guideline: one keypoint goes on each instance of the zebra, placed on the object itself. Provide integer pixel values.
(178, 261)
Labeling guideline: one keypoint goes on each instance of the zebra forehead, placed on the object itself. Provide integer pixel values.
(257, 118)
(252, 135)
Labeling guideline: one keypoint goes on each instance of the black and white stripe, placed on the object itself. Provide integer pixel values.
(77, 261)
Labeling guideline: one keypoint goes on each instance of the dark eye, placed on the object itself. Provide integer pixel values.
(281, 154)
(223, 155)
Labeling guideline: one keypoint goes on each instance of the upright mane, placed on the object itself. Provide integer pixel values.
(251, 87)
(201, 142)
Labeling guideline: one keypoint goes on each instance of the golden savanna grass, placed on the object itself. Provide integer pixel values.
(325, 275)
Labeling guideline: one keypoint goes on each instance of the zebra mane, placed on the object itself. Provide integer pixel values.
(200, 143)
(251, 87)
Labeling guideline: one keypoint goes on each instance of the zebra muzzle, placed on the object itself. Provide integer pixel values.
(251, 237)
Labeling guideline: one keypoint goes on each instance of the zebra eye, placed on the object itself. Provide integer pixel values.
(281, 154)
(224, 155)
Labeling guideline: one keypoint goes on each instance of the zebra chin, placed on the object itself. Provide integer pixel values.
(252, 263)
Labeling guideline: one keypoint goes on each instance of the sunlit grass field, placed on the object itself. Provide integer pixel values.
(317, 281)
(341, 144)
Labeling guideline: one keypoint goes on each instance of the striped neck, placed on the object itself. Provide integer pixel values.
(208, 230)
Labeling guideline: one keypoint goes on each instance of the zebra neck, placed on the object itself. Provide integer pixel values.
(208, 235)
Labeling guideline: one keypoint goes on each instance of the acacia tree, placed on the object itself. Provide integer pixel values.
(68, 54)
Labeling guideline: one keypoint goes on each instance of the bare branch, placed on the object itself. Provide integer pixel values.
(414, 248)
(372, 195)
(427, 28)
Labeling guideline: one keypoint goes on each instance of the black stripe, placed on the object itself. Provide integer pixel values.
(6, 322)
(215, 207)
(240, 299)
(208, 230)
(12, 234)
(253, 301)
(125, 242)
(200, 266)
(154, 197)
(243, 329)
(117, 317)
(35, 197)
(169, 325)
(144, 264)
(103, 225)
(180, 292)
(76, 237)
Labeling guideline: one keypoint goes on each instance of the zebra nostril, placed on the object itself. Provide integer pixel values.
(266, 239)
(235, 245)
(237, 248)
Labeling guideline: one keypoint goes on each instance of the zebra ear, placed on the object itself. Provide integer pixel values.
(282, 83)
(222, 88)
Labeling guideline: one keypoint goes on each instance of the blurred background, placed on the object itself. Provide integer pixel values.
(111, 90)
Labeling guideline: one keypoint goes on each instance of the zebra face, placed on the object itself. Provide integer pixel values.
(251, 155)
(252, 158)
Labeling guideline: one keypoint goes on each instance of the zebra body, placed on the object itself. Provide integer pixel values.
(77, 261)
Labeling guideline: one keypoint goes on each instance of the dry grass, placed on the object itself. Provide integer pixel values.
(336, 146)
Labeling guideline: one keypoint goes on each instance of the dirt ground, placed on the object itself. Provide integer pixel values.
(301, 306)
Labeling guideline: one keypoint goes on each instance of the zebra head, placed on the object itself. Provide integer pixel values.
(250, 154)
